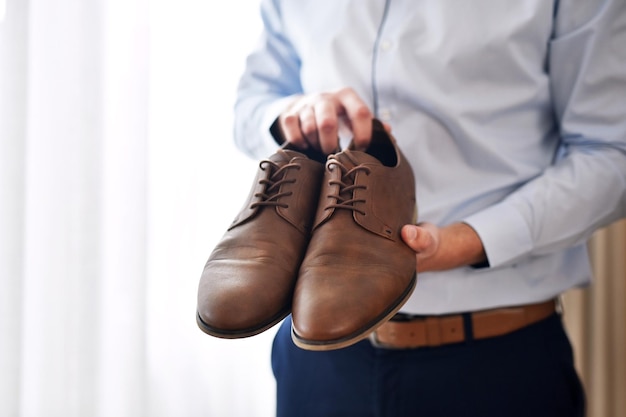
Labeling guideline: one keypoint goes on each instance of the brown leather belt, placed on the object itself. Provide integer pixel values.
(441, 330)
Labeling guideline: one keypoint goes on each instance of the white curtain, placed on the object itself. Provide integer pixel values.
(117, 177)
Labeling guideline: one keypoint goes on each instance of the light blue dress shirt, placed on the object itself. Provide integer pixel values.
(511, 113)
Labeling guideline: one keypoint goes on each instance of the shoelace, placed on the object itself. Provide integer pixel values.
(271, 196)
(347, 187)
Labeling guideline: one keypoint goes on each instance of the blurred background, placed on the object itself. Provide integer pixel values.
(118, 175)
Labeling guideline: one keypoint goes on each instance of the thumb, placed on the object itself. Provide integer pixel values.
(420, 238)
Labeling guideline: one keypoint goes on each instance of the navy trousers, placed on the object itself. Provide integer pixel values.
(527, 373)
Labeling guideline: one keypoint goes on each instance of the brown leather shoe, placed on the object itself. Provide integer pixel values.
(357, 271)
(247, 283)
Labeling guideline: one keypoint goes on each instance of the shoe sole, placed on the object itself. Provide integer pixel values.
(239, 334)
(357, 336)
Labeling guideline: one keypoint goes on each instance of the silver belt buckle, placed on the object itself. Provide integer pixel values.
(377, 344)
(374, 340)
(560, 305)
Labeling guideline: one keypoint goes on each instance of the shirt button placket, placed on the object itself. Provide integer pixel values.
(385, 46)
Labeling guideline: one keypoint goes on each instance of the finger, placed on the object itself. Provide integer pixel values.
(359, 117)
(327, 124)
(308, 126)
(289, 125)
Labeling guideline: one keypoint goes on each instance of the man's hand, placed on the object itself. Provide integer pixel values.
(313, 120)
(439, 249)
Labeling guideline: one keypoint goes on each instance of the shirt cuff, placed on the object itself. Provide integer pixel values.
(503, 232)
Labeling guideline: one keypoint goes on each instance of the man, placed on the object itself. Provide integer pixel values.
(513, 118)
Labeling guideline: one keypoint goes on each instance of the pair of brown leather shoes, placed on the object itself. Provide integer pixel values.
(319, 240)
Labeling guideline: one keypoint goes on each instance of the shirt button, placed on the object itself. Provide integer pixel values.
(384, 115)
(385, 45)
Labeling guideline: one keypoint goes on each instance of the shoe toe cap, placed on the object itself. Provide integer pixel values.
(241, 302)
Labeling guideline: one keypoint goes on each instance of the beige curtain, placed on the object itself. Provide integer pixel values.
(596, 321)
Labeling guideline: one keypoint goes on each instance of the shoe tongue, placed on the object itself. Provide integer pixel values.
(285, 156)
(351, 158)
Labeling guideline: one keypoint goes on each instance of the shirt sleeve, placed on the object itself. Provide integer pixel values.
(269, 82)
(585, 188)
